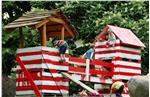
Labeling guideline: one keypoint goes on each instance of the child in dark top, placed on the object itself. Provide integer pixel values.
(62, 46)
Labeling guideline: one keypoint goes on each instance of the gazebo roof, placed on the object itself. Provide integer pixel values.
(126, 36)
(54, 20)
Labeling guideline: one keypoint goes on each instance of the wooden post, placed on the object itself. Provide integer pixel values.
(62, 33)
(21, 37)
(87, 69)
(43, 36)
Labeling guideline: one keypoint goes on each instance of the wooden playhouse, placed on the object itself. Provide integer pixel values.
(125, 54)
(33, 73)
(40, 74)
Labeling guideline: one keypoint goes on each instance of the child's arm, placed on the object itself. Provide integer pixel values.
(83, 56)
(91, 55)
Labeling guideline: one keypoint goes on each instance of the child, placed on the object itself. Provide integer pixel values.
(62, 46)
(90, 53)
(111, 39)
(118, 87)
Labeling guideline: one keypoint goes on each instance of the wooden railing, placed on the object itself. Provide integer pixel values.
(93, 67)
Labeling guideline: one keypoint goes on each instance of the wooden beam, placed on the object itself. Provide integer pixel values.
(62, 22)
(19, 25)
(56, 34)
(41, 23)
(57, 20)
(68, 29)
(79, 83)
(9, 29)
(31, 18)
(43, 35)
(62, 33)
(55, 27)
(102, 33)
(21, 38)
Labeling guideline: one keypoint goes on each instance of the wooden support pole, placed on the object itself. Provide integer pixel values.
(21, 37)
(43, 36)
(62, 33)
(87, 69)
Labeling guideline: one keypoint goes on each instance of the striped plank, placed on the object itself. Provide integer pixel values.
(26, 92)
(118, 48)
(118, 69)
(95, 72)
(35, 75)
(78, 61)
(57, 92)
(46, 74)
(43, 87)
(122, 55)
(92, 79)
(118, 51)
(44, 56)
(30, 49)
(44, 83)
(20, 79)
(126, 63)
(123, 77)
(38, 53)
(45, 66)
(38, 48)
(41, 75)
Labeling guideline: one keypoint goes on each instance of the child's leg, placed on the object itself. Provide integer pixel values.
(62, 56)
(62, 51)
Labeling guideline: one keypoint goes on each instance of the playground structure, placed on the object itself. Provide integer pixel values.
(40, 73)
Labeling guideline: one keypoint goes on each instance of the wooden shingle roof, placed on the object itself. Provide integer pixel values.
(54, 20)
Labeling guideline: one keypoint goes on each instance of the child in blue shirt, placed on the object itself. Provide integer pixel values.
(90, 53)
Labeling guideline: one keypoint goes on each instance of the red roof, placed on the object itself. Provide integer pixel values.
(126, 36)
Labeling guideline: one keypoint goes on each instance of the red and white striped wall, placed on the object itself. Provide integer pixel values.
(123, 69)
(102, 51)
(37, 60)
(36, 57)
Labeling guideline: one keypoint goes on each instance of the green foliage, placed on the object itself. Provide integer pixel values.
(44, 5)
(14, 9)
(10, 43)
(31, 37)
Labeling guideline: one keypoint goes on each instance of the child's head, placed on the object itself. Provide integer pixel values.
(54, 42)
(92, 46)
